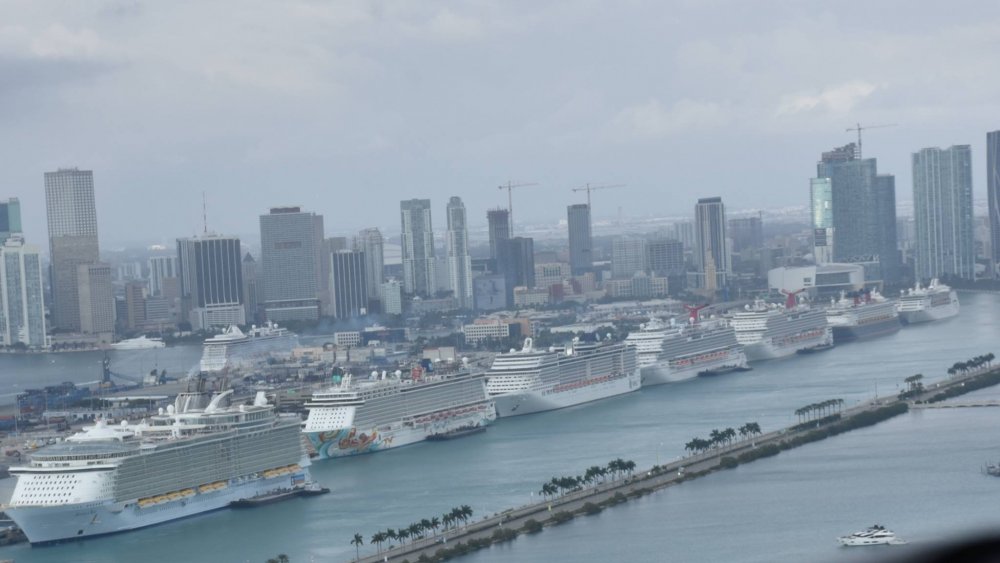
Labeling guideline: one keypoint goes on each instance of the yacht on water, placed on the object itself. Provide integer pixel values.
(923, 304)
(876, 535)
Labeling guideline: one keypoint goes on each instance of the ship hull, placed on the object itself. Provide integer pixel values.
(771, 349)
(529, 402)
(930, 314)
(352, 441)
(49, 524)
(662, 372)
(885, 327)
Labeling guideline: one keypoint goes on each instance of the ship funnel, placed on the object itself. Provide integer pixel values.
(260, 400)
(528, 344)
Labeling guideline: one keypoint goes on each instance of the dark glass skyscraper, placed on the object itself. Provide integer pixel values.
(499, 226)
(10, 218)
(863, 211)
(517, 264)
(294, 264)
(348, 283)
(712, 244)
(581, 258)
(993, 188)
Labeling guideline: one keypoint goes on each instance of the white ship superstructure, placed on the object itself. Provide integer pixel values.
(138, 343)
(924, 304)
(365, 416)
(234, 348)
(189, 459)
(768, 331)
(671, 353)
(527, 381)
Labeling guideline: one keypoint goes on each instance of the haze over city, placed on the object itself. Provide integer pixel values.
(347, 108)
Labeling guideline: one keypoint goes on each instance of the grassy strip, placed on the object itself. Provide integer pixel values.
(979, 382)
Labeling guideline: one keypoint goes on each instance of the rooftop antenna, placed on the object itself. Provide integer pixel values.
(858, 127)
(509, 186)
(204, 213)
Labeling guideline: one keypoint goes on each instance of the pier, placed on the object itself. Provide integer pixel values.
(508, 524)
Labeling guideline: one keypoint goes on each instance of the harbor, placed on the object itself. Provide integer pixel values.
(643, 420)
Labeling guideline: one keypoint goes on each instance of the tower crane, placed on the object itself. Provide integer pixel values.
(509, 186)
(591, 187)
(859, 128)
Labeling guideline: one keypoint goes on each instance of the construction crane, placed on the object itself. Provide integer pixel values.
(858, 127)
(591, 187)
(509, 186)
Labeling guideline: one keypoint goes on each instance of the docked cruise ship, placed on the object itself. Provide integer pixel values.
(670, 353)
(190, 458)
(358, 417)
(769, 331)
(924, 304)
(866, 315)
(528, 381)
(234, 348)
(138, 343)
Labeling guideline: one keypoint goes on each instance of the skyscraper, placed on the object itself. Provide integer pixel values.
(211, 276)
(135, 304)
(459, 261)
(993, 195)
(418, 246)
(821, 206)
(516, 261)
(628, 256)
(942, 198)
(252, 291)
(161, 267)
(581, 244)
(747, 233)
(348, 284)
(293, 257)
(863, 211)
(665, 257)
(370, 242)
(10, 218)
(712, 253)
(22, 306)
(499, 227)
(97, 302)
(72, 223)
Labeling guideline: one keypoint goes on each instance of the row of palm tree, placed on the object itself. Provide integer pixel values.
(821, 409)
(718, 438)
(972, 364)
(561, 485)
(416, 530)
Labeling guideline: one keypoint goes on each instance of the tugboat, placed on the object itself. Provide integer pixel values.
(876, 535)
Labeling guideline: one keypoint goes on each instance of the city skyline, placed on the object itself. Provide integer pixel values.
(347, 124)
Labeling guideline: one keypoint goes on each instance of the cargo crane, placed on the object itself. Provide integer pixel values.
(859, 128)
(509, 186)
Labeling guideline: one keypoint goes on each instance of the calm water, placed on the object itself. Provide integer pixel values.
(918, 474)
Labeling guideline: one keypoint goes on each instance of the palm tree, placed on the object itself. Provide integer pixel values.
(692, 445)
(415, 530)
(435, 524)
(377, 539)
(728, 434)
(391, 535)
(402, 534)
(357, 543)
(426, 525)
(754, 428)
(466, 511)
(715, 437)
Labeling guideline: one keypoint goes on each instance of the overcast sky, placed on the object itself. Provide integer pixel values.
(346, 107)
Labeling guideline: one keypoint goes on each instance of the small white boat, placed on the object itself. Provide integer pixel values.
(876, 535)
(139, 343)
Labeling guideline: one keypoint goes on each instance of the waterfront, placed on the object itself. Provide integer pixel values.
(895, 473)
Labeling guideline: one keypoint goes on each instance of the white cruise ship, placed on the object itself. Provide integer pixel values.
(671, 353)
(866, 315)
(138, 343)
(769, 331)
(189, 459)
(924, 304)
(528, 381)
(358, 417)
(234, 348)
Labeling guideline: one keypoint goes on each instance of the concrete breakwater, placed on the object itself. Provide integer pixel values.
(532, 518)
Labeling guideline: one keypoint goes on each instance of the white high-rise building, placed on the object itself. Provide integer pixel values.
(370, 242)
(459, 261)
(22, 305)
(418, 246)
(942, 198)
(628, 256)
(161, 267)
(392, 297)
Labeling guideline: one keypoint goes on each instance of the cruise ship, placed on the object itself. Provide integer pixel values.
(768, 331)
(671, 353)
(924, 304)
(138, 343)
(195, 456)
(358, 417)
(865, 315)
(234, 348)
(528, 381)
